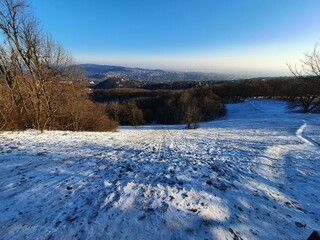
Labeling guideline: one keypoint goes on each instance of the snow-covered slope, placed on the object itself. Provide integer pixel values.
(253, 175)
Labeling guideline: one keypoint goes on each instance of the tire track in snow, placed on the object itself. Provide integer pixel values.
(276, 163)
(300, 135)
(276, 152)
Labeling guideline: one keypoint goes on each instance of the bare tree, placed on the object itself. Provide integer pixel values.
(3, 117)
(134, 115)
(33, 64)
(114, 110)
(190, 110)
(307, 90)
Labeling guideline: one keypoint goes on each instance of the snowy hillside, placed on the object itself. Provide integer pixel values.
(253, 175)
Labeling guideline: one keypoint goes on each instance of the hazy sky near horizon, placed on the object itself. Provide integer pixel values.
(235, 36)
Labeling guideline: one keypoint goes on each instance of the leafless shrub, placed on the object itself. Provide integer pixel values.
(307, 91)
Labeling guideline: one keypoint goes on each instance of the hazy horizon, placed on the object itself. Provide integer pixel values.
(240, 74)
(237, 37)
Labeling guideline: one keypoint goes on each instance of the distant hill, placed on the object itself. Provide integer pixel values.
(100, 72)
(111, 83)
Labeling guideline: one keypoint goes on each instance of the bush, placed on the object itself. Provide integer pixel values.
(125, 114)
(10, 116)
(71, 109)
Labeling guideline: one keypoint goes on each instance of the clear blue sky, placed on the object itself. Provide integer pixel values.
(240, 36)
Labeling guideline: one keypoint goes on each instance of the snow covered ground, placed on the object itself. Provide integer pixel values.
(253, 175)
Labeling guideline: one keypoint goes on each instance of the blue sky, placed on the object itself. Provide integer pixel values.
(236, 36)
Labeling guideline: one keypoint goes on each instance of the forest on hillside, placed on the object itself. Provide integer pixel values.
(135, 106)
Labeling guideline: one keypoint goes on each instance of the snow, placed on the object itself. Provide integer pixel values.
(252, 175)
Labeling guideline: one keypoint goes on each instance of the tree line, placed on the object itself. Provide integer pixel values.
(163, 107)
(303, 92)
(129, 106)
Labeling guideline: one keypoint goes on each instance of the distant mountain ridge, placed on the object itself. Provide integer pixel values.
(97, 72)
